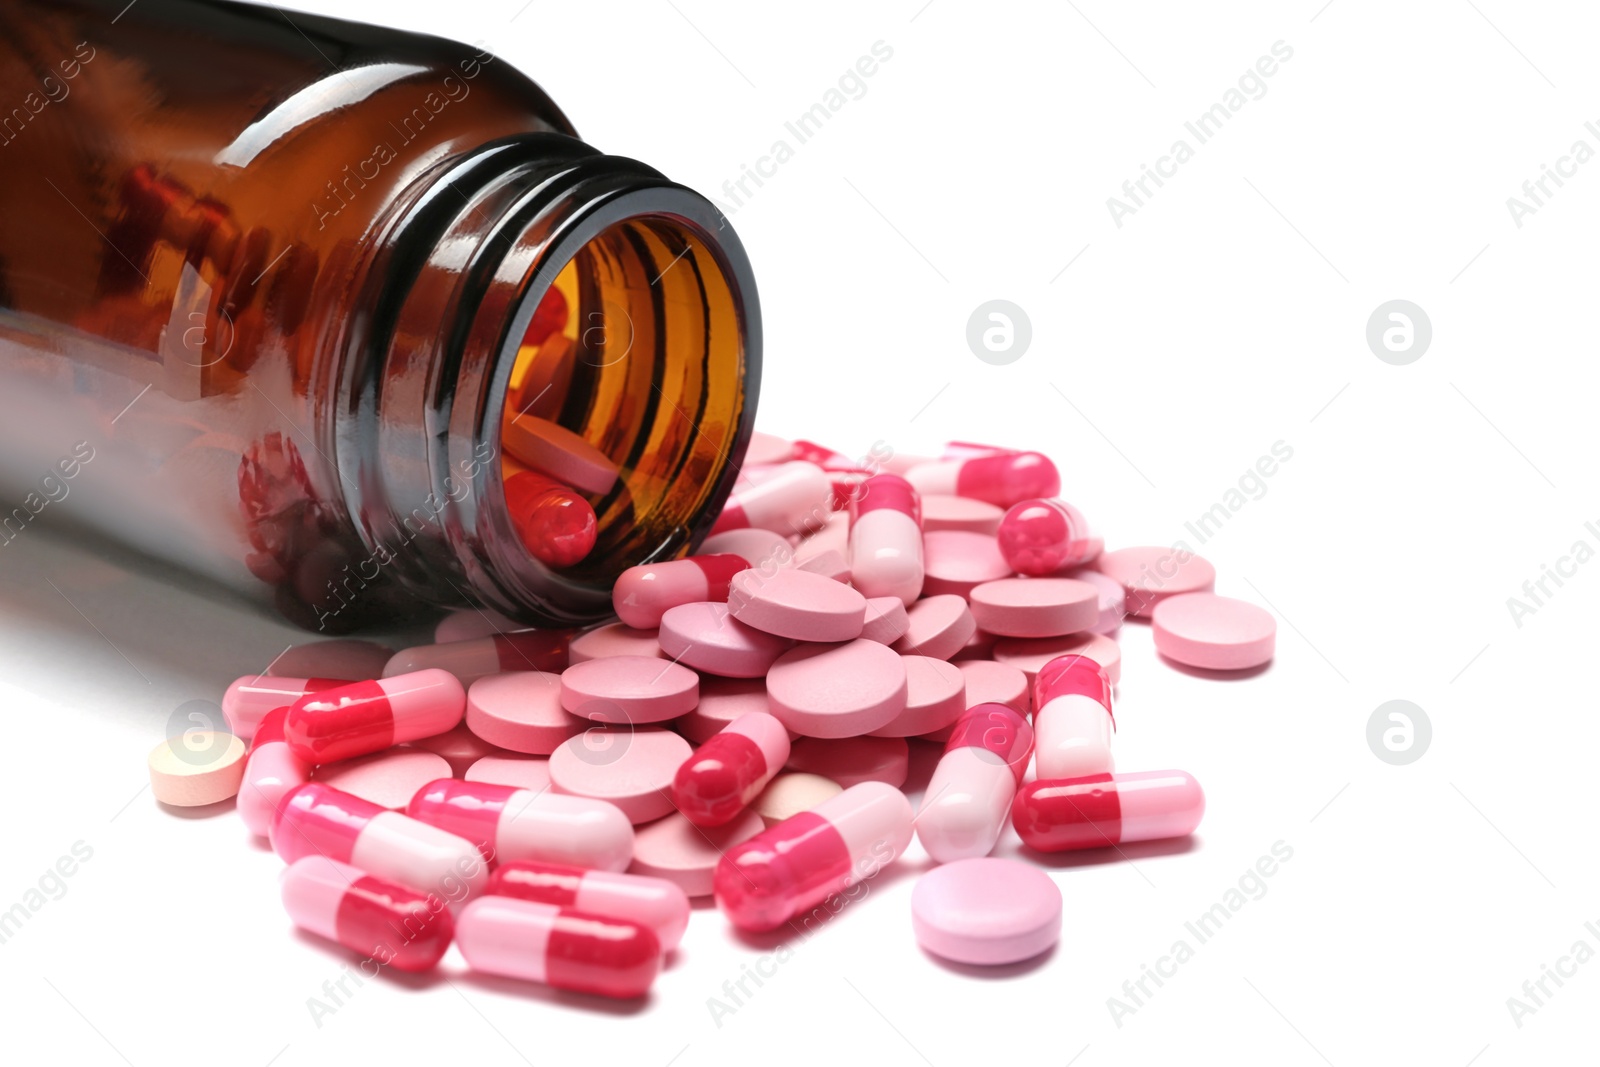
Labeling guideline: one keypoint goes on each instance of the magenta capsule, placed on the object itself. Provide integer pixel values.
(1001, 480)
(520, 650)
(801, 862)
(823, 456)
(271, 772)
(886, 539)
(382, 920)
(1073, 720)
(644, 593)
(359, 718)
(507, 823)
(565, 949)
(319, 820)
(728, 772)
(791, 498)
(652, 902)
(1054, 815)
(972, 450)
(970, 793)
(249, 699)
(1039, 537)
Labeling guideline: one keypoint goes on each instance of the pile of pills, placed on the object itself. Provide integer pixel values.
(550, 801)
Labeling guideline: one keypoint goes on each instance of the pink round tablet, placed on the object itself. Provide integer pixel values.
(721, 701)
(557, 451)
(1151, 574)
(986, 911)
(1213, 632)
(829, 563)
(389, 779)
(979, 646)
(989, 682)
(629, 689)
(936, 695)
(765, 549)
(461, 748)
(797, 604)
(1029, 654)
(837, 690)
(1035, 607)
(614, 639)
(519, 772)
(953, 561)
(886, 620)
(685, 854)
(1113, 600)
(521, 711)
(937, 626)
(704, 636)
(767, 448)
(852, 760)
(632, 769)
(959, 513)
(349, 659)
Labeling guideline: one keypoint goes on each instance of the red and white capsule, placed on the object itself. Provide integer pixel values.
(382, 920)
(509, 824)
(970, 793)
(729, 771)
(1001, 479)
(1072, 721)
(1056, 815)
(250, 699)
(1039, 537)
(520, 650)
(653, 902)
(801, 862)
(792, 498)
(572, 950)
(318, 820)
(271, 772)
(886, 539)
(644, 593)
(364, 717)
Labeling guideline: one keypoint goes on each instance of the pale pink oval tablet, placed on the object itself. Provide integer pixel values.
(468, 624)
(989, 682)
(357, 661)
(685, 854)
(519, 772)
(979, 646)
(1113, 599)
(1213, 632)
(1028, 654)
(632, 769)
(557, 451)
(797, 604)
(953, 561)
(986, 911)
(722, 700)
(767, 448)
(521, 711)
(886, 620)
(1149, 575)
(937, 626)
(829, 563)
(852, 760)
(792, 792)
(389, 779)
(837, 690)
(1035, 607)
(703, 635)
(959, 513)
(764, 549)
(460, 747)
(614, 639)
(936, 695)
(629, 689)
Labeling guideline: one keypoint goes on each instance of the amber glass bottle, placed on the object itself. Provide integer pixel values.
(268, 295)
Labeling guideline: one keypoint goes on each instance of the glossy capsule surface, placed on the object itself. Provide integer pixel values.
(1001, 479)
(382, 920)
(249, 699)
(886, 538)
(271, 772)
(519, 650)
(1039, 537)
(507, 823)
(366, 717)
(554, 522)
(970, 793)
(1073, 720)
(646, 592)
(573, 950)
(791, 498)
(653, 902)
(729, 771)
(1057, 815)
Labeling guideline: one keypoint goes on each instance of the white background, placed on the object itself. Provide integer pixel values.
(1227, 314)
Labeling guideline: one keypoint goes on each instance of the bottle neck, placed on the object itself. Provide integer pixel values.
(657, 367)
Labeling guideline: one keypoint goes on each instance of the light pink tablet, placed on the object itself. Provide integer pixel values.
(519, 772)
(1149, 575)
(953, 561)
(722, 700)
(1213, 632)
(521, 711)
(197, 768)
(461, 748)
(629, 689)
(704, 636)
(765, 549)
(936, 695)
(797, 604)
(937, 626)
(632, 769)
(792, 792)
(837, 690)
(829, 563)
(557, 451)
(614, 639)
(1113, 600)
(990, 683)
(357, 661)
(685, 854)
(979, 646)
(986, 911)
(468, 624)
(886, 620)
(1029, 654)
(852, 760)
(959, 513)
(767, 448)
(1035, 607)
(388, 779)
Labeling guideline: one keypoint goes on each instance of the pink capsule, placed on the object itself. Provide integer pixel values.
(886, 539)
(1001, 479)
(271, 771)
(382, 920)
(520, 650)
(652, 902)
(1054, 815)
(565, 949)
(793, 498)
(970, 793)
(509, 824)
(799, 863)
(972, 450)
(728, 772)
(823, 456)
(249, 699)
(1072, 720)
(1039, 537)
(644, 593)
(363, 717)
(317, 819)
